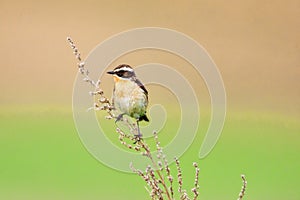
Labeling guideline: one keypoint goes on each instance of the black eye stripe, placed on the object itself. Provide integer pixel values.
(120, 73)
(124, 73)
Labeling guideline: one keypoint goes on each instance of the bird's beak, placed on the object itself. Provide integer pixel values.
(110, 72)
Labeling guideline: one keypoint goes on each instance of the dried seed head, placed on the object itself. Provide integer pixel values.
(243, 190)
(137, 148)
(81, 65)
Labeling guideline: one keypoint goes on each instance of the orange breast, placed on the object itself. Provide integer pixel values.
(116, 79)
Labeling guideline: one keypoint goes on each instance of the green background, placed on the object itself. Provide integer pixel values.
(255, 46)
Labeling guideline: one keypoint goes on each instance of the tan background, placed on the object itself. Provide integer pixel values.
(255, 45)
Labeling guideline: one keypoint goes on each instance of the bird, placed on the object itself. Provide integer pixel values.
(130, 96)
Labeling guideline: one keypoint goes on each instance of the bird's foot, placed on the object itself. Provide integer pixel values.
(119, 118)
(138, 138)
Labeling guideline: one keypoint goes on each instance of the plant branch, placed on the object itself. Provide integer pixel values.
(243, 190)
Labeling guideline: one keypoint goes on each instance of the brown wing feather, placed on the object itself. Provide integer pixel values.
(140, 84)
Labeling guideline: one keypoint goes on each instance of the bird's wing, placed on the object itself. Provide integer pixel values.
(140, 84)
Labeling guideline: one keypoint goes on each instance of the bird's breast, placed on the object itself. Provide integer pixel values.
(124, 88)
(128, 96)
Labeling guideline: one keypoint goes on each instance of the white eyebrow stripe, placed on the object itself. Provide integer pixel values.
(124, 68)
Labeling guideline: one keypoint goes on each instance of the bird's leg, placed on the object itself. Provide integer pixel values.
(138, 137)
(139, 132)
(120, 117)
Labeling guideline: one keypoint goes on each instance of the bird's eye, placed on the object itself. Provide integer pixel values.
(120, 73)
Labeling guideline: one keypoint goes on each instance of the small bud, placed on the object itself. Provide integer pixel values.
(100, 92)
(81, 65)
(98, 82)
(137, 148)
(159, 163)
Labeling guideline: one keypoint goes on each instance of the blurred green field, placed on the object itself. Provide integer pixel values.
(41, 157)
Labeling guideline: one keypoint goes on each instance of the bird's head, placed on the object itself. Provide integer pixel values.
(123, 72)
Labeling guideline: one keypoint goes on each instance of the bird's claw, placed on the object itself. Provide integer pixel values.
(119, 118)
(137, 138)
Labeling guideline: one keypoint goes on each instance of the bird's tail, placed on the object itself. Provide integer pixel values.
(144, 117)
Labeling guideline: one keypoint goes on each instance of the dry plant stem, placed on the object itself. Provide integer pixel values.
(149, 155)
(183, 194)
(179, 176)
(196, 183)
(140, 144)
(156, 182)
(162, 156)
(155, 191)
(105, 103)
(243, 190)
